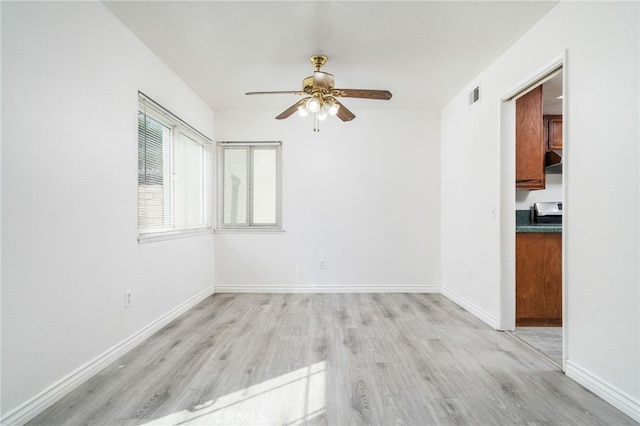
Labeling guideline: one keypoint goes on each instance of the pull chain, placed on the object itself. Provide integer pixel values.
(316, 122)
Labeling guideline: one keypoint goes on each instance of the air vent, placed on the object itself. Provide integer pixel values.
(474, 96)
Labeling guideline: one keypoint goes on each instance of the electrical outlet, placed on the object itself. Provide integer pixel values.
(322, 264)
(127, 298)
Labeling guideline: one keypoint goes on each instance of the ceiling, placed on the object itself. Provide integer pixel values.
(424, 52)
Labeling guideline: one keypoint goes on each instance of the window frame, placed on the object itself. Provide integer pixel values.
(250, 226)
(158, 113)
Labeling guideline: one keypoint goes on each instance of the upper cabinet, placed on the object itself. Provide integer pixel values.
(530, 141)
(539, 134)
(553, 127)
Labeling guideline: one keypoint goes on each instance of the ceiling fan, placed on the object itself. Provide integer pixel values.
(321, 95)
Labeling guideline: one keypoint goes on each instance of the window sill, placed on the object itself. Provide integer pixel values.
(172, 235)
(249, 231)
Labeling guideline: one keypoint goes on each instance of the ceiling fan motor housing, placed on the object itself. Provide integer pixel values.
(320, 82)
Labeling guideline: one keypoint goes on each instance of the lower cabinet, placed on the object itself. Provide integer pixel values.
(538, 279)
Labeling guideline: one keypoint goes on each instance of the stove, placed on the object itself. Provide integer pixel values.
(547, 212)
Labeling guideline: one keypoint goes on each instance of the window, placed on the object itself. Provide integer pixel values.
(173, 167)
(249, 185)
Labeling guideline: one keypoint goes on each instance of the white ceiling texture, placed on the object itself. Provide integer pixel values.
(424, 52)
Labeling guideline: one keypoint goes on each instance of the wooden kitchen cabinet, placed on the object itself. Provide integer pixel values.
(530, 144)
(538, 279)
(553, 131)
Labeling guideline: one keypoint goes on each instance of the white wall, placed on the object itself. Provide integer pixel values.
(70, 76)
(601, 165)
(363, 196)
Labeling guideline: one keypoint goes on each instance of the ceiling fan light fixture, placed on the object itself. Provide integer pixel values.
(302, 111)
(313, 105)
(331, 106)
(322, 114)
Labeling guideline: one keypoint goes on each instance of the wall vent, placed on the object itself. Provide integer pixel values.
(474, 96)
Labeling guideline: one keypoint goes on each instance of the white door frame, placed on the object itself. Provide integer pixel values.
(507, 320)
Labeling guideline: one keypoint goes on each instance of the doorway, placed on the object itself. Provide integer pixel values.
(546, 337)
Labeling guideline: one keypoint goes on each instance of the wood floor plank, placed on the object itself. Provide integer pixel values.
(330, 359)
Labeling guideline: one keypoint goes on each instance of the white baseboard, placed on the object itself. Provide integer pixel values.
(621, 400)
(473, 309)
(34, 406)
(327, 288)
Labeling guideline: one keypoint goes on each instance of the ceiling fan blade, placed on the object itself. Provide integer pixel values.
(277, 92)
(363, 94)
(293, 108)
(343, 113)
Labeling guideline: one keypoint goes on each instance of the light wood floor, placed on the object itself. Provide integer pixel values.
(546, 340)
(331, 359)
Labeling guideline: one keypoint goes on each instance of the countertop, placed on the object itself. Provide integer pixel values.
(523, 224)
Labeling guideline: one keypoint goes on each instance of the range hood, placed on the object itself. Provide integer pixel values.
(552, 162)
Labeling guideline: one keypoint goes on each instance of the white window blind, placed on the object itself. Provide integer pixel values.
(249, 191)
(172, 174)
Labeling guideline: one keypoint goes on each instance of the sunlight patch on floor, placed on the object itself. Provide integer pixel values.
(290, 399)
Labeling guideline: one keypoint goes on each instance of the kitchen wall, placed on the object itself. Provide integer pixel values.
(602, 321)
(552, 192)
(363, 196)
(70, 76)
